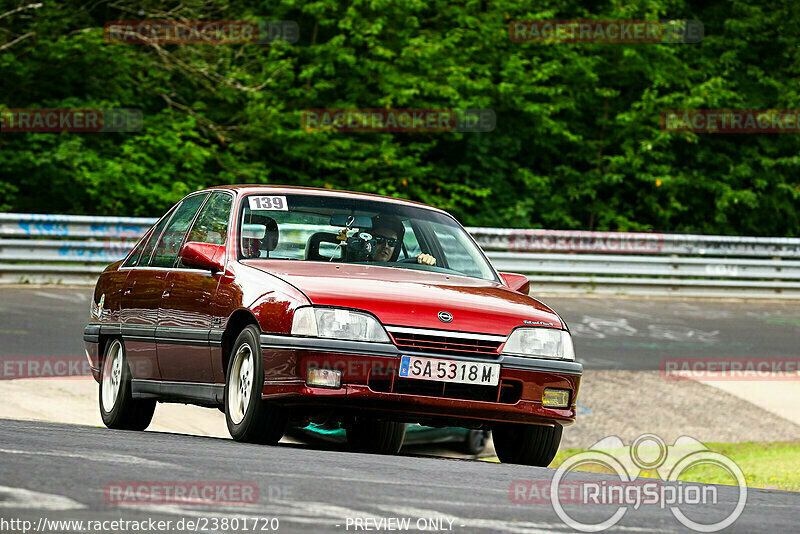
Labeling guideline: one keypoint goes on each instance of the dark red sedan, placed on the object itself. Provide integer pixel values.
(289, 306)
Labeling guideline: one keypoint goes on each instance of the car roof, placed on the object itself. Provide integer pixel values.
(243, 189)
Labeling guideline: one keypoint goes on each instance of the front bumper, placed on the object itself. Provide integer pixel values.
(370, 384)
(91, 339)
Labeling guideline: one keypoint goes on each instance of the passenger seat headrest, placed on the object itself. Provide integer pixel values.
(270, 240)
(262, 229)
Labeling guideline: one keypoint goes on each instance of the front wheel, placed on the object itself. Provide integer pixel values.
(249, 418)
(526, 444)
(118, 409)
(379, 437)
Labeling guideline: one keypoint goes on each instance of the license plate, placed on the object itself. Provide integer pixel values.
(485, 374)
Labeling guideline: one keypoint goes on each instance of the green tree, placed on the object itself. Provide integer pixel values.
(577, 144)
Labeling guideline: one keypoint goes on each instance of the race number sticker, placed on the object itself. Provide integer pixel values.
(268, 203)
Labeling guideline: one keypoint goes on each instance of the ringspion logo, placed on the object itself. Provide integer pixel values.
(627, 490)
(605, 31)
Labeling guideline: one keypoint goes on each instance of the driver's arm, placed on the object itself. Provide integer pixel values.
(426, 259)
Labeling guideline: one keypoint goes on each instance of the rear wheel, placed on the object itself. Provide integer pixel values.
(475, 441)
(526, 444)
(249, 418)
(380, 437)
(118, 409)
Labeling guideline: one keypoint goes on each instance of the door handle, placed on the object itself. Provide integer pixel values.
(166, 293)
(127, 291)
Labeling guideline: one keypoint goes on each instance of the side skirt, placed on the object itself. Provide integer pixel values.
(181, 392)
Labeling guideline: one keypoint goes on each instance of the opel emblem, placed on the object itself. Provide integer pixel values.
(445, 317)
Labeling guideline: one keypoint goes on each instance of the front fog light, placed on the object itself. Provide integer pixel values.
(555, 398)
(324, 378)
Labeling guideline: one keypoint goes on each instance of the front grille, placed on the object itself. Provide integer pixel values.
(449, 344)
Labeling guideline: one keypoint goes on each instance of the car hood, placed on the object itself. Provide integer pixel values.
(412, 298)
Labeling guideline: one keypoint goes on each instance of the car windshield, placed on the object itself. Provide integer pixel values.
(309, 227)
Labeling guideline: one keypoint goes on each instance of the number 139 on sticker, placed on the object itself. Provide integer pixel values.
(268, 203)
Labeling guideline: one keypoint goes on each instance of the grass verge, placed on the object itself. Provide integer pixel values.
(773, 465)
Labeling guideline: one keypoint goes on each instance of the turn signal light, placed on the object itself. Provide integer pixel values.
(555, 398)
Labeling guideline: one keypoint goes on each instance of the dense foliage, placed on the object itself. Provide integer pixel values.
(577, 143)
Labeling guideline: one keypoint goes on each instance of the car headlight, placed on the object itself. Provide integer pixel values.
(337, 323)
(540, 343)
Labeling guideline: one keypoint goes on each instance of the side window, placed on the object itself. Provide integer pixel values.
(211, 225)
(456, 253)
(166, 251)
(133, 259)
(410, 241)
(144, 248)
(294, 231)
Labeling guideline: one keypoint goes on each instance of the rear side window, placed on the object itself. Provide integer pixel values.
(141, 254)
(169, 244)
(133, 259)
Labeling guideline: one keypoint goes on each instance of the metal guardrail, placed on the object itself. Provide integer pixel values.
(644, 243)
(74, 250)
(568, 264)
(36, 225)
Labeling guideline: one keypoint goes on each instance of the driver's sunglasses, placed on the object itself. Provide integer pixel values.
(390, 241)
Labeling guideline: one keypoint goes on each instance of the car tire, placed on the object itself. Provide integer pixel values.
(378, 437)
(526, 444)
(475, 442)
(118, 409)
(250, 419)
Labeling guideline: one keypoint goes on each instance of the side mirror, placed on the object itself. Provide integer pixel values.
(203, 256)
(517, 282)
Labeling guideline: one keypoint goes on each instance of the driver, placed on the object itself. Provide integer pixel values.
(388, 233)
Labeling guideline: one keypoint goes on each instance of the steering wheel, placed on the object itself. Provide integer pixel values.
(409, 260)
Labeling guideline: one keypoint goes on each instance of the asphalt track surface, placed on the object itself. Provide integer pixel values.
(59, 472)
(609, 333)
(53, 472)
